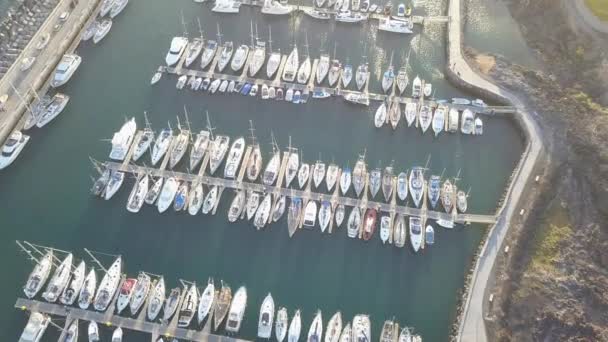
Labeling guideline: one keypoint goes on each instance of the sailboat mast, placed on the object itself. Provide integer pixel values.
(252, 130)
(184, 23)
(251, 24)
(306, 39)
(270, 38)
(219, 35)
(209, 127)
(200, 29)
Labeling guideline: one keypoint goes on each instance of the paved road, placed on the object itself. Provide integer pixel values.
(472, 325)
(46, 59)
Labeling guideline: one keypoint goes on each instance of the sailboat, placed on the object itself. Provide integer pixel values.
(59, 281)
(334, 70)
(359, 175)
(316, 328)
(293, 164)
(194, 48)
(254, 165)
(222, 305)
(188, 307)
(324, 215)
(426, 117)
(416, 183)
(281, 324)
(239, 58)
(263, 212)
(399, 233)
(345, 180)
(394, 114)
(354, 222)
(334, 328)
(303, 175)
(347, 74)
(387, 182)
(208, 52)
(380, 116)
(180, 145)
(157, 298)
(39, 275)
(237, 310)
(411, 109)
(108, 286)
(416, 232)
(206, 302)
(234, 158)
(272, 169)
(388, 77)
(295, 328)
(274, 60)
(332, 176)
(402, 184)
(259, 55)
(318, 173)
(138, 194)
(305, 68)
(293, 215)
(225, 56)
(87, 291)
(71, 291)
(291, 66)
(361, 74)
(322, 68)
(375, 180)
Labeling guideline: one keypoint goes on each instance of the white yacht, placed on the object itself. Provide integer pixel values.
(12, 148)
(332, 176)
(117, 335)
(318, 173)
(121, 141)
(107, 287)
(226, 6)
(293, 164)
(274, 7)
(70, 293)
(65, 69)
(411, 110)
(396, 26)
(345, 180)
(303, 175)
(291, 66)
(218, 152)
(263, 212)
(334, 328)
(102, 30)
(208, 53)
(429, 235)
(361, 75)
(188, 307)
(334, 72)
(478, 126)
(324, 215)
(439, 120)
(295, 328)
(380, 116)
(467, 122)
(124, 294)
(237, 310)
(157, 298)
(143, 144)
(402, 80)
(161, 145)
(59, 281)
(225, 56)
(310, 214)
(167, 194)
(195, 199)
(253, 202)
(87, 291)
(93, 332)
(140, 292)
(385, 228)
(138, 194)
(426, 117)
(176, 50)
(206, 302)
(35, 328)
(415, 232)
(281, 327)
(117, 7)
(200, 146)
(106, 6)
(266, 317)
(210, 200)
(239, 58)
(234, 158)
(350, 17)
(39, 275)
(272, 169)
(322, 68)
(259, 56)
(315, 332)
(347, 75)
(453, 118)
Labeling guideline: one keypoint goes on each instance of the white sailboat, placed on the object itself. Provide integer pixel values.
(59, 281)
(415, 232)
(305, 68)
(259, 56)
(237, 310)
(315, 332)
(167, 194)
(281, 325)
(322, 68)
(388, 77)
(295, 328)
(334, 328)
(239, 58)
(87, 291)
(157, 299)
(291, 65)
(303, 175)
(206, 302)
(107, 287)
(39, 275)
(274, 60)
(345, 180)
(411, 109)
(234, 158)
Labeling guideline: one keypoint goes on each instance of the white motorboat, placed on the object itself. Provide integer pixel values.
(399, 233)
(223, 86)
(266, 318)
(334, 328)
(181, 82)
(107, 287)
(272, 169)
(279, 209)
(93, 332)
(347, 75)
(340, 214)
(291, 65)
(303, 175)
(402, 184)
(310, 214)
(259, 56)
(429, 235)
(157, 298)
(415, 232)
(385, 228)
(357, 98)
(117, 335)
(52, 109)
(396, 26)
(59, 281)
(416, 184)
(140, 292)
(427, 90)
(225, 56)
(426, 117)
(210, 200)
(318, 173)
(12, 148)
(195, 199)
(138, 194)
(461, 101)
(167, 194)
(254, 90)
(263, 213)
(387, 183)
(206, 302)
(200, 146)
(439, 120)
(227, 6)
(324, 215)
(350, 17)
(317, 13)
(467, 122)
(478, 126)
(65, 69)
(334, 72)
(315, 332)
(281, 326)
(275, 8)
(237, 310)
(208, 53)
(411, 110)
(461, 201)
(453, 118)
(295, 328)
(114, 184)
(345, 180)
(71, 291)
(176, 50)
(253, 202)
(380, 116)
(125, 294)
(161, 145)
(188, 307)
(106, 6)
(332, 176)
(234, 158)
(218, 150)
(43, 41)
(322, 68)
(265, 94)
(355, 4)
(416, 87)
(121, 141)
(39, 275)
(117, 7)
(289, 95)
(402, 80)
(102, 30)
(293, 164)
(87, 291)
(361, 75)
(239, 58)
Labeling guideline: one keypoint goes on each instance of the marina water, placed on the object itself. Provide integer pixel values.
(46, 199)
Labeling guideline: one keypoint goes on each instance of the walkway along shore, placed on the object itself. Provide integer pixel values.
(471, 325)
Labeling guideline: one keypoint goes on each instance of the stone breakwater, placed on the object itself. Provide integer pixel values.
(18, 27)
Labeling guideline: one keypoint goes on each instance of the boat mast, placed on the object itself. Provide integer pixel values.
(252, 130)
(270, 38)
(183, 23)
(219, 35)
(209, 127)
(334, 56)
(256, 32)
(251, 28)
(390, 64)
(187, 122)
(146, 120)
(306, 45)
(21, 98)
(200, 29)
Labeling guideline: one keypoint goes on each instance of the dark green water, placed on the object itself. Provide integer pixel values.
(45, 194)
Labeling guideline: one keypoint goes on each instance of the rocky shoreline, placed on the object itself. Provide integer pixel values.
(18, 27)
(553, 284)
